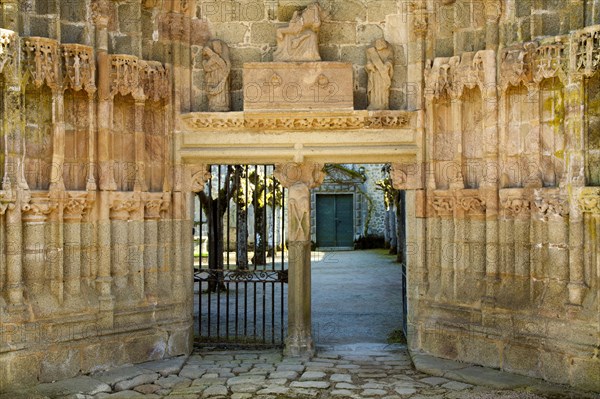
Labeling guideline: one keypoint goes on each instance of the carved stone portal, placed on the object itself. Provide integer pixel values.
(380, 68)
(299, 41)
(217, 67)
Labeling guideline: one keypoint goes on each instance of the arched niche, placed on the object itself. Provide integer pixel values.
(520, 144)
(155, 148)
(123, 142)
(76, 164)
(472, 137)
(592, 144)
(38, 137)
(552, 131)
(443, 142)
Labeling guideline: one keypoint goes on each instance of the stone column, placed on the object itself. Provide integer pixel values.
(58, 140)
(493, 12)
(299, 178)
(151, 217)
(35, 214)
(140, 179)
(72, 215)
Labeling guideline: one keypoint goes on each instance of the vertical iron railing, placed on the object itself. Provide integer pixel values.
(241, 301)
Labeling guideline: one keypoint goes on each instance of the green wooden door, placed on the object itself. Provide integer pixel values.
(335, 220)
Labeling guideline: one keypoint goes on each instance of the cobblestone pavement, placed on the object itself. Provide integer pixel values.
(368, 371)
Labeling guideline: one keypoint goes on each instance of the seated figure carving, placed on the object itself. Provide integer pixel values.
(299, 41)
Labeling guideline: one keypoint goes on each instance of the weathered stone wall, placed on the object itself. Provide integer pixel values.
(505, 231)
(95, 218)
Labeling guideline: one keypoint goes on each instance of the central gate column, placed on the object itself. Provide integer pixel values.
(299, 178)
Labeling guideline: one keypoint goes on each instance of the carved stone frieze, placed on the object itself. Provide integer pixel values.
(125, 75)
(354, 120)
(513, 202)
(9, 42)
(122, 204)
(77, 204)
(550, 61)
(442, 203)
(516, 65)
(79, 67)
(470, 202)
(585, 50)
(41, 61)
(155, 80)
(551, 202)
(589, 200)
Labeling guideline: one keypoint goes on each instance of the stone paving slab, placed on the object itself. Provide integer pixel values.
(356, 372)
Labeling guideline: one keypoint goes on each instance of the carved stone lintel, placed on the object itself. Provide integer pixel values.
(308, 174)
(41, 61)
(589, 200)
(79, 67)
(9, 43)
(355, 120)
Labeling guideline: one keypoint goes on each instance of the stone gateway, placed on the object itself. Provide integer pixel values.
(487, 112)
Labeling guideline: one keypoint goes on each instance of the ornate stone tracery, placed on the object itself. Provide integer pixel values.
(125, 75)
(41, 61)
(516, 65)
(9, 43)
(79, 67)
(585, 51)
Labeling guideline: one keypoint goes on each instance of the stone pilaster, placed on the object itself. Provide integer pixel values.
(299, 178)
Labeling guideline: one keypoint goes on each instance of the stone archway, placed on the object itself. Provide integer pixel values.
(299, 155)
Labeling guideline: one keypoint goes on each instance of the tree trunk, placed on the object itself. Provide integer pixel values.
(260, 226)
(241, 226)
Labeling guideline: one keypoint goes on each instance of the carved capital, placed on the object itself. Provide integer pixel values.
(9, 43)
(550, 203)
(79, 67)
(155, 204)
(442, 204)
(7, 201)
(76, 205)
(100, 12)
(39, 206)
(514, 203)
(200, 174)
(123, 204)
(291, 174)
(41, 57)
(406, 176)
(589, 200)
(471, 202)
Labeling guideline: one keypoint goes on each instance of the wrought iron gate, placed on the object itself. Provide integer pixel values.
(240, 270)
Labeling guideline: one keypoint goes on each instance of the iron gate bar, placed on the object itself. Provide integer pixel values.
(249, 325)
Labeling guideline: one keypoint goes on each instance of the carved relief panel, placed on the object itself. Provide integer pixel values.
(443, 142)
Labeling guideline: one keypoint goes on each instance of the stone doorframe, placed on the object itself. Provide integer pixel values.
(299, 153)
